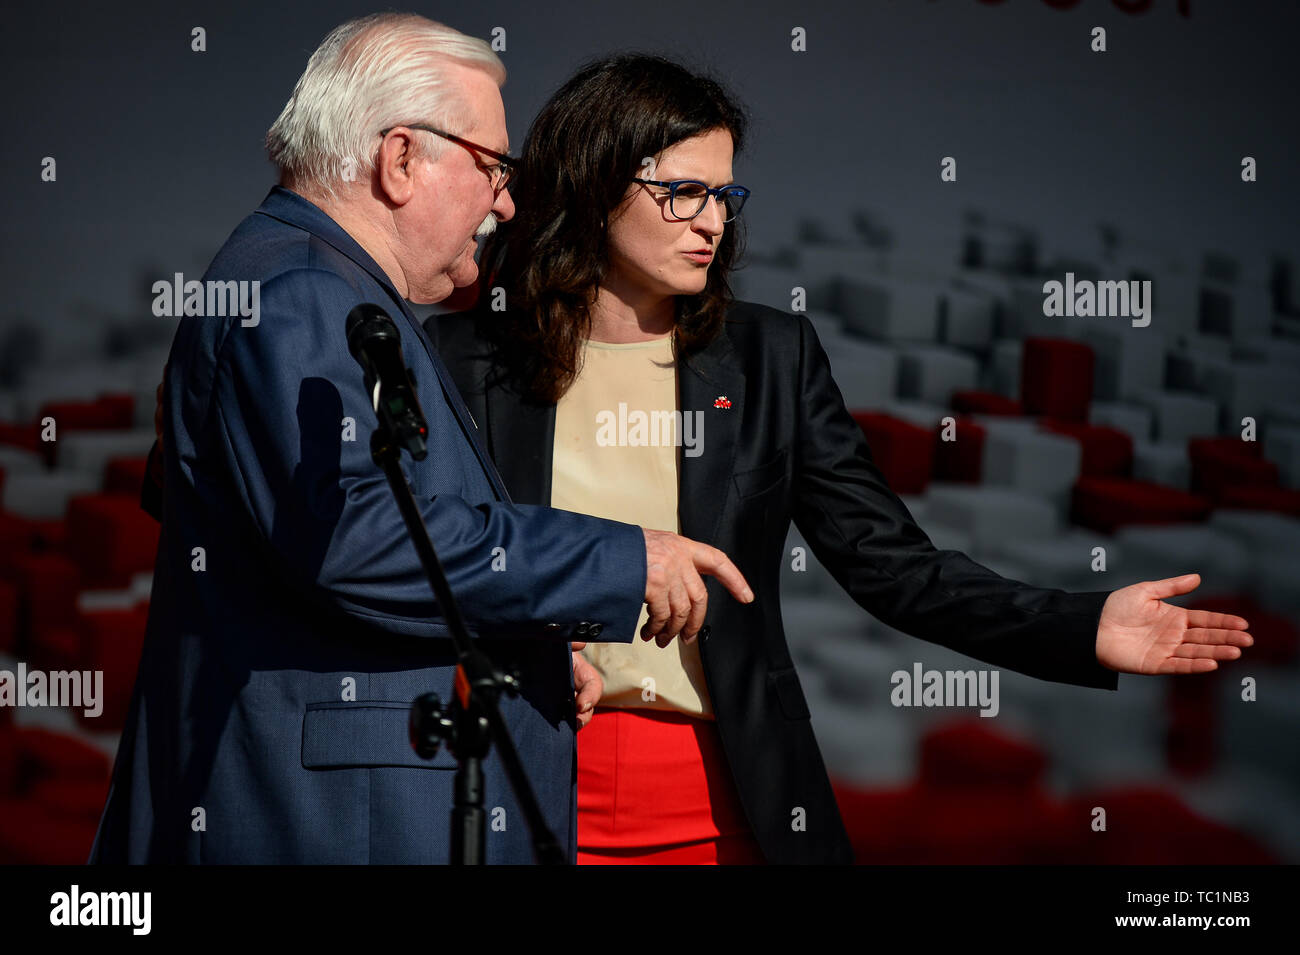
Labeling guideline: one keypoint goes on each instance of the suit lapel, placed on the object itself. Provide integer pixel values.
(702, 380)
(289, 207)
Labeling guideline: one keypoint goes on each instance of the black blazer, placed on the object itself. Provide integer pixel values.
(787, 449)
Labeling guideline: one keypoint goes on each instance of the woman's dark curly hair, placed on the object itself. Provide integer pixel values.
(578, 161)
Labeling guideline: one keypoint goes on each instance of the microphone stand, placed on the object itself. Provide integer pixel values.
(472, 722)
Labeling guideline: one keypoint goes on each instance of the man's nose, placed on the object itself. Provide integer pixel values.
(504, 206)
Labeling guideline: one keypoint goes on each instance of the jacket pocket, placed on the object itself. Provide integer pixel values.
(761, 479)
(789, 693)
(363, 734)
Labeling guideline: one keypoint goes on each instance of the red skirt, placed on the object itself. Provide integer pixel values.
(654, 788)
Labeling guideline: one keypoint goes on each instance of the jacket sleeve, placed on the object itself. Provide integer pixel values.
(865, 536)
(324, 510)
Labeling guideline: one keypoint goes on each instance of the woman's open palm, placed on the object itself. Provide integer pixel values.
(1140, 633)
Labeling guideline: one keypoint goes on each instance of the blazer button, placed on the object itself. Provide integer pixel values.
(595, 630)
(583, 629)
(704, 632)
(552, 628)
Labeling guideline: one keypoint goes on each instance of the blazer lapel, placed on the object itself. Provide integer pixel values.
(521, 436)
(705, 383)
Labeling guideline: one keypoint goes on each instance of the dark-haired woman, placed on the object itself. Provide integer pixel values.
(619, 324)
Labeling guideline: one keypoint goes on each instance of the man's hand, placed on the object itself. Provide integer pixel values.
(674, 590)
(587, 686)
(1140, 633)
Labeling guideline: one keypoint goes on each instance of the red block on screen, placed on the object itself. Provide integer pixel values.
(968, 753)
(110, 538)
(986, 402)
(1256, 498)
(1146, 826)
(1220, 463)
(963, 458)
(8, 618)
(903, 452)
(1056, 378)
(111, 641)
(1107, 504)
(35, 835)
(125, 476)
(1106, 452)
(46, 583)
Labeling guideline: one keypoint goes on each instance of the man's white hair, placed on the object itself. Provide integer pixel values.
(371, 73)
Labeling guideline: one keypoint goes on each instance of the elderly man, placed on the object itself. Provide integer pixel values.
(291, 624)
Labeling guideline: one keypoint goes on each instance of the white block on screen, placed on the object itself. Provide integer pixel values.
(45, 495)
(866, 373)
(920, 413)
(1162, 463)
(92, 450)
(1248, 389)
(933, 372)
(768, 285)
(1128, 361)
(1133, 419)
(1153, 552)
(891, 309)
(825, 323)
(1179, 416)
(1063, 560)
(968, 317)
(15, 460)
(990, 514)
(1038, 462)
(1005, 366)
(1282, 446)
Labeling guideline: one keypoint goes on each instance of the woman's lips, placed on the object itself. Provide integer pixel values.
(704, 258)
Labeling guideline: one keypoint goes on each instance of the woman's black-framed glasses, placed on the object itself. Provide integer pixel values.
(687, 197)
(499, 173)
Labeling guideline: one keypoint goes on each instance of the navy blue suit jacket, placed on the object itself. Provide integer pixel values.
(291, 624)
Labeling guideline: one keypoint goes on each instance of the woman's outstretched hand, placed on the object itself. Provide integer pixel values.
(1140, 633)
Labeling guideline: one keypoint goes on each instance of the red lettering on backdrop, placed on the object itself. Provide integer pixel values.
(1184, 7)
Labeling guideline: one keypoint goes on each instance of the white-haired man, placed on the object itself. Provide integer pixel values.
(291, 624)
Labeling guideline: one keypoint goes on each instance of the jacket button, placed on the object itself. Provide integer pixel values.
(552, 628)
(704, 632)
(583, 629)
(595, 630)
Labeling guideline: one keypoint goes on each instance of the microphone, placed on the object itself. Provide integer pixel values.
(376, 344)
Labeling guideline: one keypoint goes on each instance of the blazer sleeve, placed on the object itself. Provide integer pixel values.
(324, 512)
(865, 536)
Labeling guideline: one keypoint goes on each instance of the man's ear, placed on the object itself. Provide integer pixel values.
(395, 167)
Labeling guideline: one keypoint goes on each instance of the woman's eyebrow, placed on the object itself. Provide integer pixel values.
(722, 182)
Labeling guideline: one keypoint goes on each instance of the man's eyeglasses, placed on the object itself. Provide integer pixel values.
(499, 173)
(687, 197)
